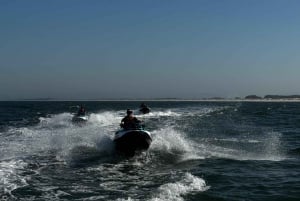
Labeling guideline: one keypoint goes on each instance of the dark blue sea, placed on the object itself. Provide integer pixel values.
(204, 151)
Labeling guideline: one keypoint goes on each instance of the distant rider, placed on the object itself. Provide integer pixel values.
(143, 105)
(130, 121)
(81, 111)
(144, 108)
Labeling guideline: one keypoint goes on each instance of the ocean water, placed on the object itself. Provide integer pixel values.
(200, 151)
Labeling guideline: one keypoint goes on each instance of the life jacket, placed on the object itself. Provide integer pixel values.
(130, 123)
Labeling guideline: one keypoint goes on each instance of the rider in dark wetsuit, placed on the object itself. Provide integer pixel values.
(129, 122)
(143, 105)
(81, 111)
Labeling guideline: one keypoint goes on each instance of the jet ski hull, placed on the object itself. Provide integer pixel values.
(128, 142)
(79, 119)
(145, 110)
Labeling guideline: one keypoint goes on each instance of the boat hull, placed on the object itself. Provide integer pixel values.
(128, 142)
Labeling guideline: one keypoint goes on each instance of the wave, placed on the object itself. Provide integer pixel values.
(266, 146)
(173, 146)
(294, 152)
(107, 118)
(237, 140)
(167, 113)
(57, 133)
(175, 191)
(180, 112)
(10, 177)
(82, 155)
(55, 121)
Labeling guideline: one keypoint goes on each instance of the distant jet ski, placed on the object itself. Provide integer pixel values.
(80, 116)
(79, 119)
(144, 109)
(130, 141)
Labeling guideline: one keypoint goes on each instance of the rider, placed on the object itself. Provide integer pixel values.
(129, 121)
(144, 108)
(143, 105)
(81, 111)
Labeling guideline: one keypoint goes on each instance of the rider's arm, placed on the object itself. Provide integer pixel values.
(136, 120)
(122, 122)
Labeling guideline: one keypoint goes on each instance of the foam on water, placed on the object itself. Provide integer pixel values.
(167, 113)
(178, 112)
(170, 140)
(58, 133)
(176, 145)
(55, 121)
(272, 144)
(10, 177)
(125, 199)
(90, 140)
(237, 140)
(173, 145)
(174, 191)
(267, 147)
(106, 118)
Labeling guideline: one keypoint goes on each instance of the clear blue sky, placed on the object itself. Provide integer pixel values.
(148, 49)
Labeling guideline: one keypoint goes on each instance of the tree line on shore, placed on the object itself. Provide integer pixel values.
(273, 97)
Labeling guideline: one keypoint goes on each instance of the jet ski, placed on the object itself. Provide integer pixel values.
(80, 116)
(79, 119)
(144, 110)
(130, 141)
